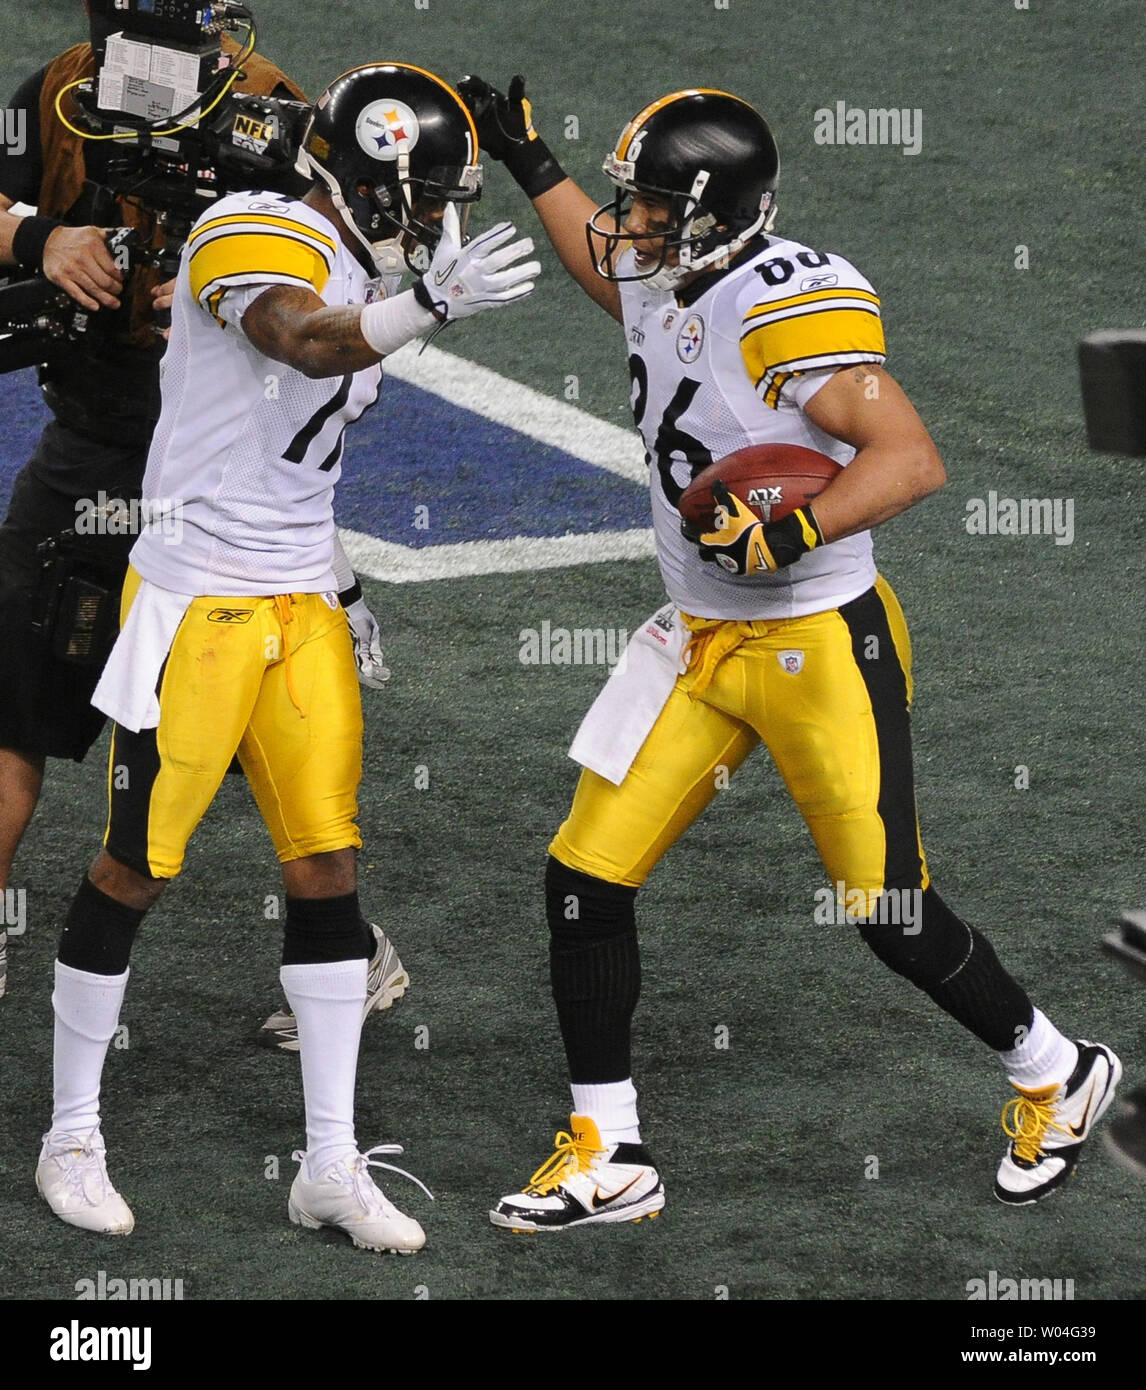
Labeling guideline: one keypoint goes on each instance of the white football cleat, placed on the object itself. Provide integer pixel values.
(346, 1197)
(1048, 1126)
(584, 1183)
(386, 980)
(71, 1176)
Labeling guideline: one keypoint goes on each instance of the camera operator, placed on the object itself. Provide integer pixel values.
(103, 392)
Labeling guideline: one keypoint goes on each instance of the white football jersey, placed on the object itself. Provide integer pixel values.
(709, 374)
(241, 473)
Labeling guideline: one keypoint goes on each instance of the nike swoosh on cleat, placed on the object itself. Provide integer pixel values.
(1080, 1129)
(597, 1201)
(441, 276)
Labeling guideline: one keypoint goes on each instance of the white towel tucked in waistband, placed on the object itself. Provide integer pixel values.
(126, 690)
(621, 717)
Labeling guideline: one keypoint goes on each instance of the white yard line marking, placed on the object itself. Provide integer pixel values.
(402, 564)
(520, 408)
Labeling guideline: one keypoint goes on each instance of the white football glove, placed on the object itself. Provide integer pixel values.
(372, 669)
(464, 280)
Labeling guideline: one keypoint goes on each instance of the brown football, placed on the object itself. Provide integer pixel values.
(772, 479)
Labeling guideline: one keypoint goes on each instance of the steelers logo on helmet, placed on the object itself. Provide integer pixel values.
(392, 144)
(387, 128)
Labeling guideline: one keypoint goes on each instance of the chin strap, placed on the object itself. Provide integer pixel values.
(387, 256)
(669, 277)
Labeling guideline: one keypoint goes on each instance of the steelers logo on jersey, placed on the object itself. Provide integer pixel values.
(385, 127)
(690, 339)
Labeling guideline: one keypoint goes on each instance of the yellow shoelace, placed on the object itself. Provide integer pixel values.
(1026, 1121)
(568, 1159)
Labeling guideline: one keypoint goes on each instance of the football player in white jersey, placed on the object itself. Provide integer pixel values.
(741, 337)
(233, 637)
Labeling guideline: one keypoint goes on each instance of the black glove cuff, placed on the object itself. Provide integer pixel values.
(30, 238)
(532, 164)
(788, 540)
(351, 595)
(426, 300)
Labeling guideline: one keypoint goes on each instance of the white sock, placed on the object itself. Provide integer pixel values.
(612, 1106)
(327, 1001)
(87, 1014)
(1044, 1058)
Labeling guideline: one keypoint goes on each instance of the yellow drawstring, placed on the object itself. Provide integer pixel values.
(711, 641)
(285, 610)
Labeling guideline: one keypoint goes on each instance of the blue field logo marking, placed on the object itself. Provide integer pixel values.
(458, 471)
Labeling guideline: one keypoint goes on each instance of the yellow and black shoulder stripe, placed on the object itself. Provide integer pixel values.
(822, 328)
(237, 248)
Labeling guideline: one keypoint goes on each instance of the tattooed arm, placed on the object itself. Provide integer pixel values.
(293, 325)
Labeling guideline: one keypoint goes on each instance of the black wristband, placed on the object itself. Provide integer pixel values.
(30, 238)
(789, 539)
(532, 164)
(351, 595)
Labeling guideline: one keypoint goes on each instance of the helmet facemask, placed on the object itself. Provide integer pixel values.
(694, 231)
(398, 222)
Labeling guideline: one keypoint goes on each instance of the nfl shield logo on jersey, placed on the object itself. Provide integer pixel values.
(792, 662)
(690, 339)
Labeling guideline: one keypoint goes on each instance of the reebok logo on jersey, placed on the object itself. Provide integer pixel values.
(230, 615)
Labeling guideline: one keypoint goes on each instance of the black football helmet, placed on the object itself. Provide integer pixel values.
(713, 157)
(393, 144)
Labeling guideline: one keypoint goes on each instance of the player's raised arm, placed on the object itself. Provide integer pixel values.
(292, 324)
(506, 133)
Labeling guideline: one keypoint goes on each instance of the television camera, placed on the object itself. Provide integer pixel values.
(168, 136)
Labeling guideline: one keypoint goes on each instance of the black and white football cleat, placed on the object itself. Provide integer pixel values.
(584, 1183)
(1048, 1126)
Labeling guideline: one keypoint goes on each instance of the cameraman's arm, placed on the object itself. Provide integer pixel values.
(293, 325)
(75, 258)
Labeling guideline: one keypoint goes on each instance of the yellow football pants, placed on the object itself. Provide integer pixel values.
(829, 695)
(273, 679)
